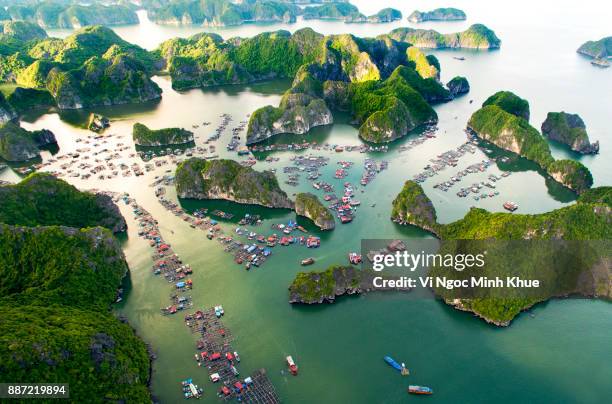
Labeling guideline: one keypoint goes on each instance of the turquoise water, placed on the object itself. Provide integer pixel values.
(560, 354)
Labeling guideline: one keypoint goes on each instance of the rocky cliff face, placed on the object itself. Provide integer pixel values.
(112, 218)
(7, 113)
(18, 144)
(412, 206)
(298, 113)
(228, 180)
(308, 205)
(458, 86)
(570, 130)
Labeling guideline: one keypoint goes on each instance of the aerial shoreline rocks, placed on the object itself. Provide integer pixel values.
(570, 130)
(308, 205)
(143, 136)
(502, 121)
(588, 219)
(226, 179)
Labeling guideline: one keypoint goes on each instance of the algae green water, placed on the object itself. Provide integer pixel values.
(560, 354)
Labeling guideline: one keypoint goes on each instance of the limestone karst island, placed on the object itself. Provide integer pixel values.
(305, 201)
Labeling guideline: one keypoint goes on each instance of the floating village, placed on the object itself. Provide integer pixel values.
(249, 243)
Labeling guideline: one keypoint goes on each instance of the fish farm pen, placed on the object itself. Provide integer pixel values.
(216, 355)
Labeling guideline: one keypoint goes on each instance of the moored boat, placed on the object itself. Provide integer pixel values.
(308, 261)
(422, 390)
(391, 362)
(293, 369)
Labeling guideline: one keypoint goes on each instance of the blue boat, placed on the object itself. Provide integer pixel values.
(391, 362)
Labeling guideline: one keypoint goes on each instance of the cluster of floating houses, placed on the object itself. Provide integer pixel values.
(215, 354)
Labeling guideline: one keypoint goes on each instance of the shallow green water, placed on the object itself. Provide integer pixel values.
(562, 354)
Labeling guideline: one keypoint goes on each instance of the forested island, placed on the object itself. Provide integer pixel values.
(308, 205)
(18, 144)
(503, 121)
(91, 67)
(588, 219)
(59, 14)
(228, 180)
(601, 49)
(570, 130)
(143, 136)
(387, 86)
(439, 14)
(59, 274)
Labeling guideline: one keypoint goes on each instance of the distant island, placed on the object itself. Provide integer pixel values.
(143, 136)
(502, 121)
(350, 14)
(601, 49)
(439, 14)
(570, 130)
(223, 13)
(588, 219)
(54, 14)
(476, 36)
(60, 271)
(226, 179)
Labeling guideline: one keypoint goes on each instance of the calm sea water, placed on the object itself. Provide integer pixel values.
(562, 354)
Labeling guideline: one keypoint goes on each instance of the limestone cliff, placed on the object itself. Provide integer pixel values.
(308, 205)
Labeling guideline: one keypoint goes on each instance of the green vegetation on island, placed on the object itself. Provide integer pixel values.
(588, 219)
(144, 136)
(350, 14)
(308, 205)
(570, 130)
(476, 36)
(226, 179)
(18, 144)
(325, 286)
(93, 66)
(601, 49)
(221, 13)
(439, 14)
(57, 284)
(19, 31)
(509, 102)
(43, 200)
(54, 14)
(458, 86)
(385, 84)
(511, 131)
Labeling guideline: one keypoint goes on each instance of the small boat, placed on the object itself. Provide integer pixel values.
(292, 366)
(308, 261)
(422, 390)
(236, 356)
(511, 206)
(391, 362)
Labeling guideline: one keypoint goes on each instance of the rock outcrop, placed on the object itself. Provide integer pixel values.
(412, 206)
(501, 122)
(144, 136)
(298, 113)
(97, 123)
(601, 49)
(228, 180)
(570, 130)
(458, 86)
(308, 205)
(42, 199)
(18, 144)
